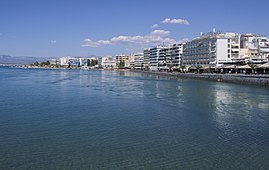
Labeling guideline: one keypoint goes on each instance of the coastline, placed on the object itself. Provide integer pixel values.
(261, 80)
(246, 79)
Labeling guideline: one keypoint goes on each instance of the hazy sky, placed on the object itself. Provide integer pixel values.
(53, 28)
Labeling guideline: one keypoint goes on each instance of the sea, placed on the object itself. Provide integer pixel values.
(99, 119)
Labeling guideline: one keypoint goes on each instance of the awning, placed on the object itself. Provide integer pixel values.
(266, 65)
(244, 67)
(230, 66)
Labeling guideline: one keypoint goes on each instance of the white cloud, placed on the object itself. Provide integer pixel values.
(53, 41)
(155, 26)
(104, 42)
(175, 21)
(156, 37)
(94, 44)
(160, 33)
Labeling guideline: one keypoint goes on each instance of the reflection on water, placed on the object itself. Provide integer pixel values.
(232, 103)
(72, 119)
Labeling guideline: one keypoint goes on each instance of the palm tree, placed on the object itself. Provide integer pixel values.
(182, 68)
(253, 67)
(198, 68)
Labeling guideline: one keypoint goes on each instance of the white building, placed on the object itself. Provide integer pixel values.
(165, 57)
(138, 60)
(154, 57)
(212, 49)
(254, 48)
(64, 61)
(107, 62)
(177, 50)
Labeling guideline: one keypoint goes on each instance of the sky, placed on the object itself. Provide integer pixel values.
(55, 28)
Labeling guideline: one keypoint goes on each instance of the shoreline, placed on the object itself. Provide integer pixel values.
(245, 79)
(261, 80)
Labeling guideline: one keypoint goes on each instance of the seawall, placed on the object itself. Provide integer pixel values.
(262, 80)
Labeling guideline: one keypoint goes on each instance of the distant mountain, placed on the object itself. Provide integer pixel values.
(6, 59)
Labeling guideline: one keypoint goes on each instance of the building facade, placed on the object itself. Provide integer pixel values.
(138, 61)
(122, 60)
(154, 57)
(254, 48)
(177, 50)
(108, 62)
(165, 57)
(212, 49)
(146, 54)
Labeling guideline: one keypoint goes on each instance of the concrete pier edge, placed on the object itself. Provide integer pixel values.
(262, 80)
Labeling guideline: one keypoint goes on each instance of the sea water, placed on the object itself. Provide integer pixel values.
(77, 119)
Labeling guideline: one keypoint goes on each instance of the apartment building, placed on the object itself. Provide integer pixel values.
(138, 60)
(154, 57)
(254, 48)
(146, 54)
(212, 49)
(122, 60)
(107, 62)
(177, 50)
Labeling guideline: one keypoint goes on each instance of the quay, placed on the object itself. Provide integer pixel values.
(254, 79)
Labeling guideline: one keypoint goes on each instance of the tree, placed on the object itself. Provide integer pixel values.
(46, 63)
(182, 68)
(121, 64)
(253, 67)
(88, 62)
(92, 62)
(198, 68)
(36, 63)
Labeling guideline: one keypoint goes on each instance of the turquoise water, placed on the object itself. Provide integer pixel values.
(71, 119)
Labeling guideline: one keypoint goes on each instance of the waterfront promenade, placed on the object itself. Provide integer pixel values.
(255, 79)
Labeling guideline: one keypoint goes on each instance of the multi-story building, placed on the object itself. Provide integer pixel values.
(154, 57)
(64, 61)
(54, 61)
(138, 60)
(165, 57)
(177, 50)
(122, 60)
(107, 62)
(73, 61)
(212, 49)
(254, 48)
(146, 54)
(130, 62)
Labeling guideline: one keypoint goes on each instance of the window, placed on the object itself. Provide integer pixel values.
(229, 40)
(229, 45)
(229, 50)
(229, 55)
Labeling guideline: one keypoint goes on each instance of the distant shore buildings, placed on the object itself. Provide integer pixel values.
(208, 51)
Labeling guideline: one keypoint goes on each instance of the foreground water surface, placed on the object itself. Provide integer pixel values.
(71, 119)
